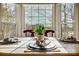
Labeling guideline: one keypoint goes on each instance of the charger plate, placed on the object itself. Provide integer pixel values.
(48, 46)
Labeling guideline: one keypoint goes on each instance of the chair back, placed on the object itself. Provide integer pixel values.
(29, 33)
(49, 31)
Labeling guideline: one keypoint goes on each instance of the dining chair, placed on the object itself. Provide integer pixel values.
(29, 33)
(50, 32)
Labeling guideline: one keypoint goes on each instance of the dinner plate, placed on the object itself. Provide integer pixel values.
(49, 46)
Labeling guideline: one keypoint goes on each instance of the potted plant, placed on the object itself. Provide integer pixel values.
(40, 29)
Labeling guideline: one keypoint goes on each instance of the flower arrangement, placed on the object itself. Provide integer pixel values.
(40, 29)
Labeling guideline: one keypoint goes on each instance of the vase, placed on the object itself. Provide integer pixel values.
(40, 41)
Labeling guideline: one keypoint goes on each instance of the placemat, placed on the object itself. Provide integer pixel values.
(56, 50)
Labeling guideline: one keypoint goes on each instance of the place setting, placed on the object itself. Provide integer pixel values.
(41, 46)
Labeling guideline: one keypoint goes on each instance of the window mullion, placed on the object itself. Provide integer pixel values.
(38, 14)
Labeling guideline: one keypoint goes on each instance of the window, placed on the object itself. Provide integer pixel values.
(38, 14)
(67, 19)
(8, 23)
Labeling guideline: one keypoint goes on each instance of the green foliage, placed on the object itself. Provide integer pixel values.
(39, 29)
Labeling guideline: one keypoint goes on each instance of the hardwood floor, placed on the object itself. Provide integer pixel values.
(70, 47)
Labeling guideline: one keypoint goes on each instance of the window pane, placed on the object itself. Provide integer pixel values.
(28, 21)
(49, 6)
(34, 6)
(42, 20)
(70, 26)
(28, 13)
(8, 21)
(27, 7)
(67, 18)
(49, 12)
(49, 26)
(34, 20)
(67, 11)
(34, 12)
(42, 13)
(48, 20)
(70, 21)
(42, 6)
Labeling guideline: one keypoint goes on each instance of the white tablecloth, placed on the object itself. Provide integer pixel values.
(21, 46)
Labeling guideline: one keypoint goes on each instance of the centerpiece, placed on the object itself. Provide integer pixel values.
(40, 29)
(40, 43)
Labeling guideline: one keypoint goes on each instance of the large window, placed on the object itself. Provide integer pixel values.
(35, 14)
(67, 19)
(38, 14)
(8, 24)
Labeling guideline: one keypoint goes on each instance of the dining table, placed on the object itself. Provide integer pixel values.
(20, 48)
